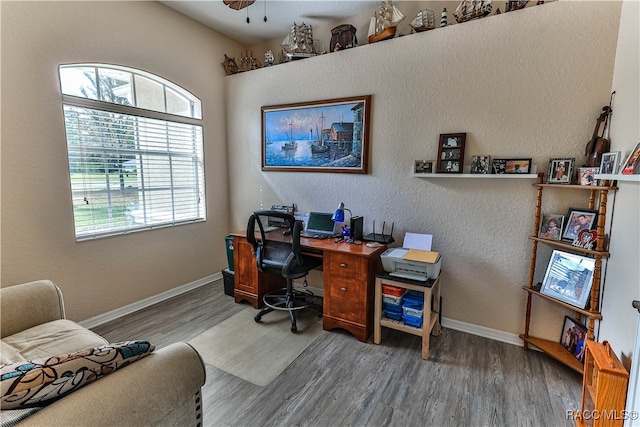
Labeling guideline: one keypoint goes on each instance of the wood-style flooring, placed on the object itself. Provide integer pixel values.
(339, 381)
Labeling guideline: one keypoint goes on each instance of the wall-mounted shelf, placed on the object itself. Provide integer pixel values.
(617, 177)
(476, 175)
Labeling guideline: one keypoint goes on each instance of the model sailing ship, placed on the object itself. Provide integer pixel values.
(299, 42)
(424, 20)
(384, 22)
(472, 9)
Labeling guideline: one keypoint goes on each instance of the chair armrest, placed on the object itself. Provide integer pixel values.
(29, 304)
(160, 389)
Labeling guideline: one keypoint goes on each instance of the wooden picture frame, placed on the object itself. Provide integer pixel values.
(573, 337)
(481, 164)
(577, 220)
(561, 170)
(569, 278)
(610, 162)
(631, 166)
(517, 166)
(451, 153)
(423, 166)
(331, 135)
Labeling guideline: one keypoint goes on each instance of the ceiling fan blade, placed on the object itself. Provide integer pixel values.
(238, 4)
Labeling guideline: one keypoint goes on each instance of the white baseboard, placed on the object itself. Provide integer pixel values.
(494, 334)
(139, 305)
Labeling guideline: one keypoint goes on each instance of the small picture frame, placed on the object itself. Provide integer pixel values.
(578, 220)
(586, 176)
(573, 337)
(499, 166)
(481, 164)
(569, 278)
(451, 152)
(517, 166)
(422, 166)
(631, 166)
(561, 170)
(610, 162)
(551, 227)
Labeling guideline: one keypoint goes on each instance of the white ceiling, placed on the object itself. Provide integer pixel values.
(281, 14)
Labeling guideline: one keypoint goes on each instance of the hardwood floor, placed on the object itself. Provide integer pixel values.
(339, 381)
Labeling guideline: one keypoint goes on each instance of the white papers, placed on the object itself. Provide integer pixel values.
(302, 216)
(417, 241)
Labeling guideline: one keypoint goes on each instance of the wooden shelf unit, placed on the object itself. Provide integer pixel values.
(604, 388)
(597, 200)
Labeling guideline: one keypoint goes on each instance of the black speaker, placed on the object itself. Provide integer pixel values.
(356, 227)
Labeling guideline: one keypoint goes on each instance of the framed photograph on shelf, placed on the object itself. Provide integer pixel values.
(517, 166)
(423, 166)
(551, 226)
(632, 165)
(569, 278)
(586, 176)
(610, 162)
(573, 336)
(578, 220)
(480, 164)
(451, 152)
(561, 170)
(498, 166)
(321, 136)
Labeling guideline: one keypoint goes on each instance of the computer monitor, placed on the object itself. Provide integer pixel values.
(320, 222)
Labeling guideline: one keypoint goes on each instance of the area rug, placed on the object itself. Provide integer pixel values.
(257, 352)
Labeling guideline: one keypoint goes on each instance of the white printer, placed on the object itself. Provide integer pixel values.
(414, 260)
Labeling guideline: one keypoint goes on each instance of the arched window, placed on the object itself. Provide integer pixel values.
(134, 142)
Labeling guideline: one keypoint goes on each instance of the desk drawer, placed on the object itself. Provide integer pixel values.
(345, 287)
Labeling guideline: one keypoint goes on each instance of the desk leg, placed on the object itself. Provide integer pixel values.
(426, 323)
(437, 328)
(377, 312)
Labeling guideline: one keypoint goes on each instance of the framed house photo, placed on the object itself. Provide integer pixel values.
(422, 166)
(551, 226)
(561, 170)
(321, 136)
(610, 162)
(569, 278)
(480, 164)
(573, 337)
(451, 152)
(578, 220)
(632, 165)
(517, 166)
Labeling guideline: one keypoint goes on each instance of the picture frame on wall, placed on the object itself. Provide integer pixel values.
(517, 166)
(569, 278)
(610, 162)
(423, 166)
(578, 220)
(573, 337)
(330, 135)
(561, 170)
(451, 152)
(631, 166)
(481, 164)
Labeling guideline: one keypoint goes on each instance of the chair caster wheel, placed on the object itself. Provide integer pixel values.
(294, 329)
(257, 318)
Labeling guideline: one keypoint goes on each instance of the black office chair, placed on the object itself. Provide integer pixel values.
(273, 255)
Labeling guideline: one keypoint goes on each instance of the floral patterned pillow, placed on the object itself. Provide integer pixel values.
(38, 382)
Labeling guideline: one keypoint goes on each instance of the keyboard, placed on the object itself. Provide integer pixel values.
(315, 235)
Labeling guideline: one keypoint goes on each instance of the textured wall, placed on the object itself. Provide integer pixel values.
(37, 221)
(522, 84)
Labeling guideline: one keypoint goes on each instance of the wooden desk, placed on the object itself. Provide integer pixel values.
(349, 277)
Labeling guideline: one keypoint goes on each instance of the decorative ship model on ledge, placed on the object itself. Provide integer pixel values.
(424, 20)
(472, 9)
(299, 42)
(384, 22)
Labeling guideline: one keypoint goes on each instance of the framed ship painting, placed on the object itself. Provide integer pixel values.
(321, 136)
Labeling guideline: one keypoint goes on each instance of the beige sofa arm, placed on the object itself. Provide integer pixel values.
(162, 389)
(29, 304)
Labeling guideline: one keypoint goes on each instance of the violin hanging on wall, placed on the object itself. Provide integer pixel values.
(598, 143)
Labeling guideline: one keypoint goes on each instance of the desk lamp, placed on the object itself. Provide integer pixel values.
(355, 224)
(338, 215)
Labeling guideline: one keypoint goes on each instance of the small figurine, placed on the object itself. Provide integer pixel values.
(268, 58)
(444, 18)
